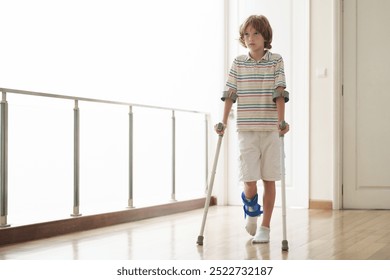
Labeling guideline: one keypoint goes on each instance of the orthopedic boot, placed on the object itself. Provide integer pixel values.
(252, 209)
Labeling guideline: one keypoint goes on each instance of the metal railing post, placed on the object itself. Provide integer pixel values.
(206, 152)
(130, 203)
(4, 161)
(173, 194)
(76, 160)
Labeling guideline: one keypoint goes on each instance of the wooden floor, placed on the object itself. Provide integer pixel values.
(312, 234)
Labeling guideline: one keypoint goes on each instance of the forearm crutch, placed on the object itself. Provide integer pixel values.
(283, 125)
(220, 128)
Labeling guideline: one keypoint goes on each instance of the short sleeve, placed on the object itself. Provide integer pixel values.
(232, 76)
(280, 79)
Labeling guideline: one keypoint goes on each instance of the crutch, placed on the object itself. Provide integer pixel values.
(211, 183)
(283, 125)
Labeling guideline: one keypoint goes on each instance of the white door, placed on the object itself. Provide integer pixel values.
(366, 138)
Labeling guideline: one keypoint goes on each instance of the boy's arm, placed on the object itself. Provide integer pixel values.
(226, 110)
(280, 100)
(229, 97)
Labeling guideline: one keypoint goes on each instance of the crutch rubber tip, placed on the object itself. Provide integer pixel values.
(284, 245)
(200, 240)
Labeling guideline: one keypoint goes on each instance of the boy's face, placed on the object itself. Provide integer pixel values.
(254, 41)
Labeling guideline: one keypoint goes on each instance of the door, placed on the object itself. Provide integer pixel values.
(366, 129)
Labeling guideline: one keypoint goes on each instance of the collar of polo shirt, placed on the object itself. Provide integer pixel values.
(266, 56)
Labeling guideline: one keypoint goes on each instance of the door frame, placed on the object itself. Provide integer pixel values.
(338, 121)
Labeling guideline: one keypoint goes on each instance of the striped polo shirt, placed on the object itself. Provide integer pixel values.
(255, 82)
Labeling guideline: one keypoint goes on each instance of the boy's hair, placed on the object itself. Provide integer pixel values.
(261, 24)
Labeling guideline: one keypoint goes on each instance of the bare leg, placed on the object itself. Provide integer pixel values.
(250, 189)
(268, 202)
(262, 234)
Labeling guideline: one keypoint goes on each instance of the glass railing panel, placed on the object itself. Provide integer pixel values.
(40, 159)
(103, 157)
(190, 155)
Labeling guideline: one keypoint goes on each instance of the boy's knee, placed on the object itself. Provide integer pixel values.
(250, 189)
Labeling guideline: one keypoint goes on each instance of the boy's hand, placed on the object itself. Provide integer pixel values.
(220, 128)
(283, 128)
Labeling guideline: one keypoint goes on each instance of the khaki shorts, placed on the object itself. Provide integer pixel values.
(259, 156)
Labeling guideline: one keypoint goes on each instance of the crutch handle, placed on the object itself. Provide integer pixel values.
(220, 127)
(282, 126)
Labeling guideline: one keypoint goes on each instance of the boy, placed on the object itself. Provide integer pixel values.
(257, 82)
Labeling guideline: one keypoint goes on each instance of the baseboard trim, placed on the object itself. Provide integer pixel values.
(320, 204)
(37, 231)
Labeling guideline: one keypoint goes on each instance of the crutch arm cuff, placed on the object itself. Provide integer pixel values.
(231, 94)
(285, 94)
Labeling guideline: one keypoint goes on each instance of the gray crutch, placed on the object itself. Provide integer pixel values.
(220, 128)
(283, 125)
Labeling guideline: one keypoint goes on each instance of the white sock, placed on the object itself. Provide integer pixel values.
(262, 235)
(251, 222)
(251, 225)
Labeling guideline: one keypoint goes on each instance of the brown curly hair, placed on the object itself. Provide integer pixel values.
(261, 24)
